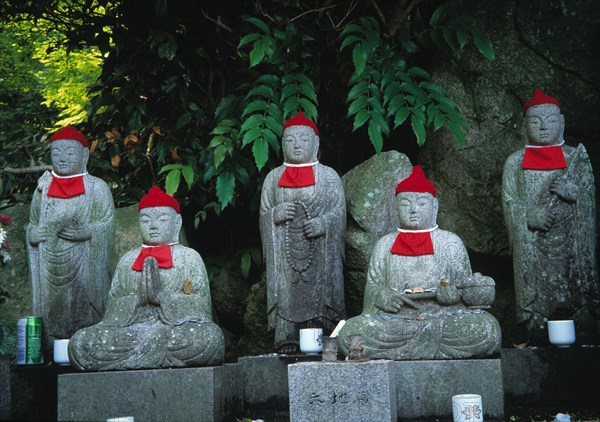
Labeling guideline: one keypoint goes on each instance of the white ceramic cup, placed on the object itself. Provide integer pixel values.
(561, 333)
(467, 408)
(61, 356)
(311, 340)
(121, 419)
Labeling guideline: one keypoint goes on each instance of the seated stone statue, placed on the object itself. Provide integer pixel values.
(302, 226)
(159, 311)
(70, 239)
(548, 200)
(421, 299)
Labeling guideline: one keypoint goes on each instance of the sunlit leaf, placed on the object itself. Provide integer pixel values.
(484, 44)
(172, 182)
(225, 188)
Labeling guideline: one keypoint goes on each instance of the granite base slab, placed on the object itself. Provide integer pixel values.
(343, 391)
(425, 388)
(184, 394)
(266, 387)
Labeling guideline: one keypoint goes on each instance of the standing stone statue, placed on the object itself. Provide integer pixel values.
(159, 311)
(421, 299)
(549, 210)
(70, 239)
(302, 224)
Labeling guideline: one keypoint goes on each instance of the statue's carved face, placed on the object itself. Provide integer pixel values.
(159, 225)
(545, 124)
(416, 210)
(68, 157)
(300, 145)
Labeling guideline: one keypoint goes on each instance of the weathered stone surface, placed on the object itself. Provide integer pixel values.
(188, 394)
(548, 44)
(70, 239)
(321, 391)
(14, 278)
(266, 387)
(371, 207)
(159, 313)
(229, 295)
(549, 210)
(302, 226)
(257, 338)
(422, 300)
(425, 388)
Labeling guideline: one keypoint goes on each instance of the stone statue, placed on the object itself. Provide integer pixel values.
(421, 299)
(302, 224)
(549, 210)
(70, 239)
(159, 311)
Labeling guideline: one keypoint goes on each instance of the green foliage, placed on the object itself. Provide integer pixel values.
(385, 92)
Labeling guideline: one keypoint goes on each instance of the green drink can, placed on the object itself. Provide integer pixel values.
(29, 341)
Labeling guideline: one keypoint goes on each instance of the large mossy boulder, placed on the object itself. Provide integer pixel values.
(371, 209)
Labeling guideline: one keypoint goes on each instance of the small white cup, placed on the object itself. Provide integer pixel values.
(61, 356)
(561, 333)
(467, 408)
(121, 419)
(311, 340)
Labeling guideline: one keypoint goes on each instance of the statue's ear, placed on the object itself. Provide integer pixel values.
(316, 151)
(178, 224)
(85, 158)
(562, 127)
(436, 205)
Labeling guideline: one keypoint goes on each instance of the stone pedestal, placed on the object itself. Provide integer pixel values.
(425, 388)
(342, 391)
(186, 394)
(266, 391)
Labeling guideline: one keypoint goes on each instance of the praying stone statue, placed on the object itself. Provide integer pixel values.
(549, 209)
(302, 224)
(421, 299)
(70, 239)
(159, 311)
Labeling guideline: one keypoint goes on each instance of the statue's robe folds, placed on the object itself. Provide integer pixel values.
(555, 271)
(304, 276)
(70, 279)
(178, 333)
(432, 332)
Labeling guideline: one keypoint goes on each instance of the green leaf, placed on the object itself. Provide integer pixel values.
(170, 167)
(308, 91)
(417, 71)
(188, 176)
(219, 155)
(183, 120)
(360, 119)
(401, 116)
(260, 150)
(216, 141)
(418, 128)
(289, 90)
(359, 58)
(225, 188)
(257, 54)
(290, 105)
(484, 45)
(273, 124)
(352, 27)
(310, 110)
(259, 24)
(462, 37)
(357, 104)
(245, 262)
(272, 139)
(450, 38)
(248, 38)
(252, 121)
(375, 136)
(360, 88)
(258, 105)
(267, 79)
(457, 131)
(172, 182)
(437, 16)
(409, 47)
(251, 135)
(167, 49)
(438, 121)
(260, 91)
(381, 122)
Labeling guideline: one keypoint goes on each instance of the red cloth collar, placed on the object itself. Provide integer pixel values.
(162, 254)
(297, 176)
(544, 158)
(66, 187)
(413, 243)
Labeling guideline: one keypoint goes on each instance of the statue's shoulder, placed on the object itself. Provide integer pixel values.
(129, 256)
(186, 253)
(515, 158)
(386, 241)
(328, 171)
(447, 236)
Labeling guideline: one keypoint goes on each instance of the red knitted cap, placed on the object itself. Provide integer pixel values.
(540, 98)
(300, 120)
(416, 182)
(157, 198)
(72, 134)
